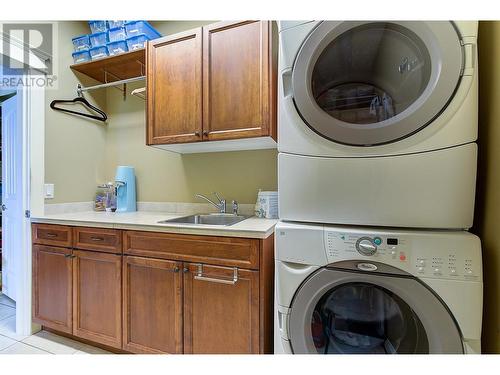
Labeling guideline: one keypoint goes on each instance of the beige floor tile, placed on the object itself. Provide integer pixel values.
(8, 328)
(52, 343)
(87, 349)
(6, 311)
(4, 300)
(21, 348)
(5, 342)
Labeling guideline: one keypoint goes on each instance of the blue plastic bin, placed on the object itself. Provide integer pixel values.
(137, 42)
(81, 43)
(118, 33)
(113, 24)
(81, 56)
(135, 28)
(98, 26)
(99, 39)
(115, 48)
(97, 53)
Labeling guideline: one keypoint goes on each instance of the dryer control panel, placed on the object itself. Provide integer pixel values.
(426, 254)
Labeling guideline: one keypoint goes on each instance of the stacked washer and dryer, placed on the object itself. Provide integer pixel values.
(376, 178)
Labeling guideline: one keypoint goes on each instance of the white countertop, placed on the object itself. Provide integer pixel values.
(252, 227)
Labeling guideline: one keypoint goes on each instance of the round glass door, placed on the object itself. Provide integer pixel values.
(369, 83)
(366, 319)
(347, 311)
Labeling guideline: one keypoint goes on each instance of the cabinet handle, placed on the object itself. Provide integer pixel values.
(70, 256)
(205, 133)
(199, 276)
(51, 235)
(176, 269)
(97, 239)
(185, 270)
(197, 134)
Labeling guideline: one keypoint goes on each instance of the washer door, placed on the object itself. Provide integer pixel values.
(370, 83)
(352, 312)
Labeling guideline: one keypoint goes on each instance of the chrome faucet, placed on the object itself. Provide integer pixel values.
(221, 206)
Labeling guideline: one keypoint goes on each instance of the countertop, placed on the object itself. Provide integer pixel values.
(252, 227)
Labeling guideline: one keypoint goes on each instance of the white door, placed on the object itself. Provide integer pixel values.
(12, 194)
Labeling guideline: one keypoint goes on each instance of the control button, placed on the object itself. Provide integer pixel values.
(365, 246)
(469, 272)
(421, 269)
(402, 257)
(437, 271)
(421, 262)
(393, 253)
(377, 241)
(453, 271)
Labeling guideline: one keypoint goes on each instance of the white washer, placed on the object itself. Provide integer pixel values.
(352, 290)
(378, 122)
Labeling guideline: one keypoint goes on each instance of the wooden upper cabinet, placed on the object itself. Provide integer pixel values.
(52, 283)
(221, 314)
(174, 91)
(97, 297)
(152, 305)
(237, 74)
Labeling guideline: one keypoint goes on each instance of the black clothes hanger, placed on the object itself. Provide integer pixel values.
(80, 99)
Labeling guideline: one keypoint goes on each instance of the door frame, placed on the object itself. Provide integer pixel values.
(33, 121)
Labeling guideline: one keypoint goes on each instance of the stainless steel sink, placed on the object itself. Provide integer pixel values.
(207, 219)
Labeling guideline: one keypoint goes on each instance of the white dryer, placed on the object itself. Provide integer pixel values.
(378, 122)
(358, 290)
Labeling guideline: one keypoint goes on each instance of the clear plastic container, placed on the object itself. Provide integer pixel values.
(115, 48)
(81, 43)
(99, 39)
(135, 28)
(113, 24)
(118, 33)
(81, 56)
(97, 26)
(137, 42)
(98, 52)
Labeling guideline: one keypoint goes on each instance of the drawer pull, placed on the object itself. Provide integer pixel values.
(96, 239)
(199, 276)
(51, 235)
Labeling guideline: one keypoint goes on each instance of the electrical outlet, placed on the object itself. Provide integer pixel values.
(49, 191)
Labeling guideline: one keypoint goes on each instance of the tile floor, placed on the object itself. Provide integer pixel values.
(42, 342)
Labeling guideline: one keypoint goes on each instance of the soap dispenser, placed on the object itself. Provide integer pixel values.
(125, 189)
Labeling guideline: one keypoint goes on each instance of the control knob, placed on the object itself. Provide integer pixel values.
(365, 246)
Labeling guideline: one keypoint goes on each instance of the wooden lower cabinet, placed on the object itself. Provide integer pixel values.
(52, 287)
(97, 302)
(221, 310)
(152, 305)
(216, 301)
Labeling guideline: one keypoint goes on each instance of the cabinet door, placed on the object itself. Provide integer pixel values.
(221, 314)
(97, 297)
(236, 80)
(174, 93)
(52, 295)
(152, 305)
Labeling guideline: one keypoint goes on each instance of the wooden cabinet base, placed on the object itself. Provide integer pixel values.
(147, 292)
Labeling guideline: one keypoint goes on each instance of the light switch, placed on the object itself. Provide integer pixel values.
(49, 191)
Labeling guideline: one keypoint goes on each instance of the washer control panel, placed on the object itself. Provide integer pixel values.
(394, 251)
(436, 255)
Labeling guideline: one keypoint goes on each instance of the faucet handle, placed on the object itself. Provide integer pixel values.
(218, 197)
(235, 207)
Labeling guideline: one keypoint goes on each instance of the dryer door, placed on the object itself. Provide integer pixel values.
(352, 312)
(370, 83)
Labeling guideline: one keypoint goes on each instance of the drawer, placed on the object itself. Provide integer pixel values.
(105, 240)
(52, 235)
(225, 251)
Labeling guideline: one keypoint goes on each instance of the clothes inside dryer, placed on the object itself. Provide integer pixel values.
(371, 73)
(365, 318)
